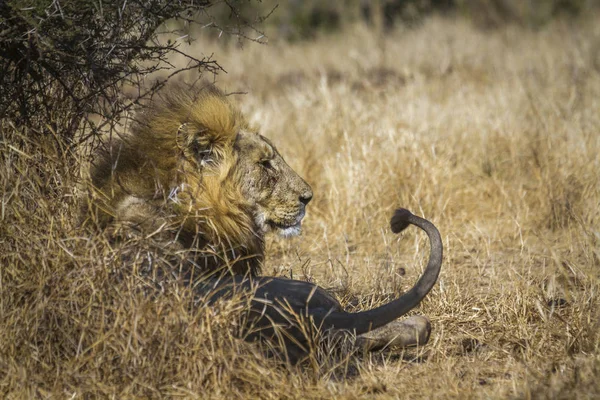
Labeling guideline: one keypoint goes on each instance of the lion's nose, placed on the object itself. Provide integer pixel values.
(305, 197)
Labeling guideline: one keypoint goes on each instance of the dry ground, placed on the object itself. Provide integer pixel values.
(494, 136)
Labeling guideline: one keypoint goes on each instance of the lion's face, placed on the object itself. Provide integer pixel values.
(276, 192)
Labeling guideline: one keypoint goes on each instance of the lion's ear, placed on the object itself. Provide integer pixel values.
(202, 144)
(207, 124)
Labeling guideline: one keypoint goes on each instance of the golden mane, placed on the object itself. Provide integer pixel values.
(155, 177)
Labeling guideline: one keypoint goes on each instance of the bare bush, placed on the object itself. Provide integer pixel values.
(62, 62)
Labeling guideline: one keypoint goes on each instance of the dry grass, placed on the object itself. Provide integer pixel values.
(494, 136)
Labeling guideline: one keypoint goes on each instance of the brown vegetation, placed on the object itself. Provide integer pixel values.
(493, 136)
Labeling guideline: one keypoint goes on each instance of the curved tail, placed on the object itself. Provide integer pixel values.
(365, 321)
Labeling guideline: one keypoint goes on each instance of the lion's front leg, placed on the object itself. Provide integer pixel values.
(397, 334)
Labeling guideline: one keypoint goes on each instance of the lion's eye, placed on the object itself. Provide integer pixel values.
(266, 164)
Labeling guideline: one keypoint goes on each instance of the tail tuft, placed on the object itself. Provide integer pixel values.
(399, 221)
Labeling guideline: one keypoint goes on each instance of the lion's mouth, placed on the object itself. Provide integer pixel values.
(277, 225)
(287, 229)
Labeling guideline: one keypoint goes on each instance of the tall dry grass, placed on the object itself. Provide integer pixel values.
(493, 136)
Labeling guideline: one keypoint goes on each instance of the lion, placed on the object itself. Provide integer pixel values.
(199, 180)
(194, 170)
(281, 308)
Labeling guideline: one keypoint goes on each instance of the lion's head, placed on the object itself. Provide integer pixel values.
(193, 168)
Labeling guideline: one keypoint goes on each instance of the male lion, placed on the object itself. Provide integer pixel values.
(194, 170)
(195, 177)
